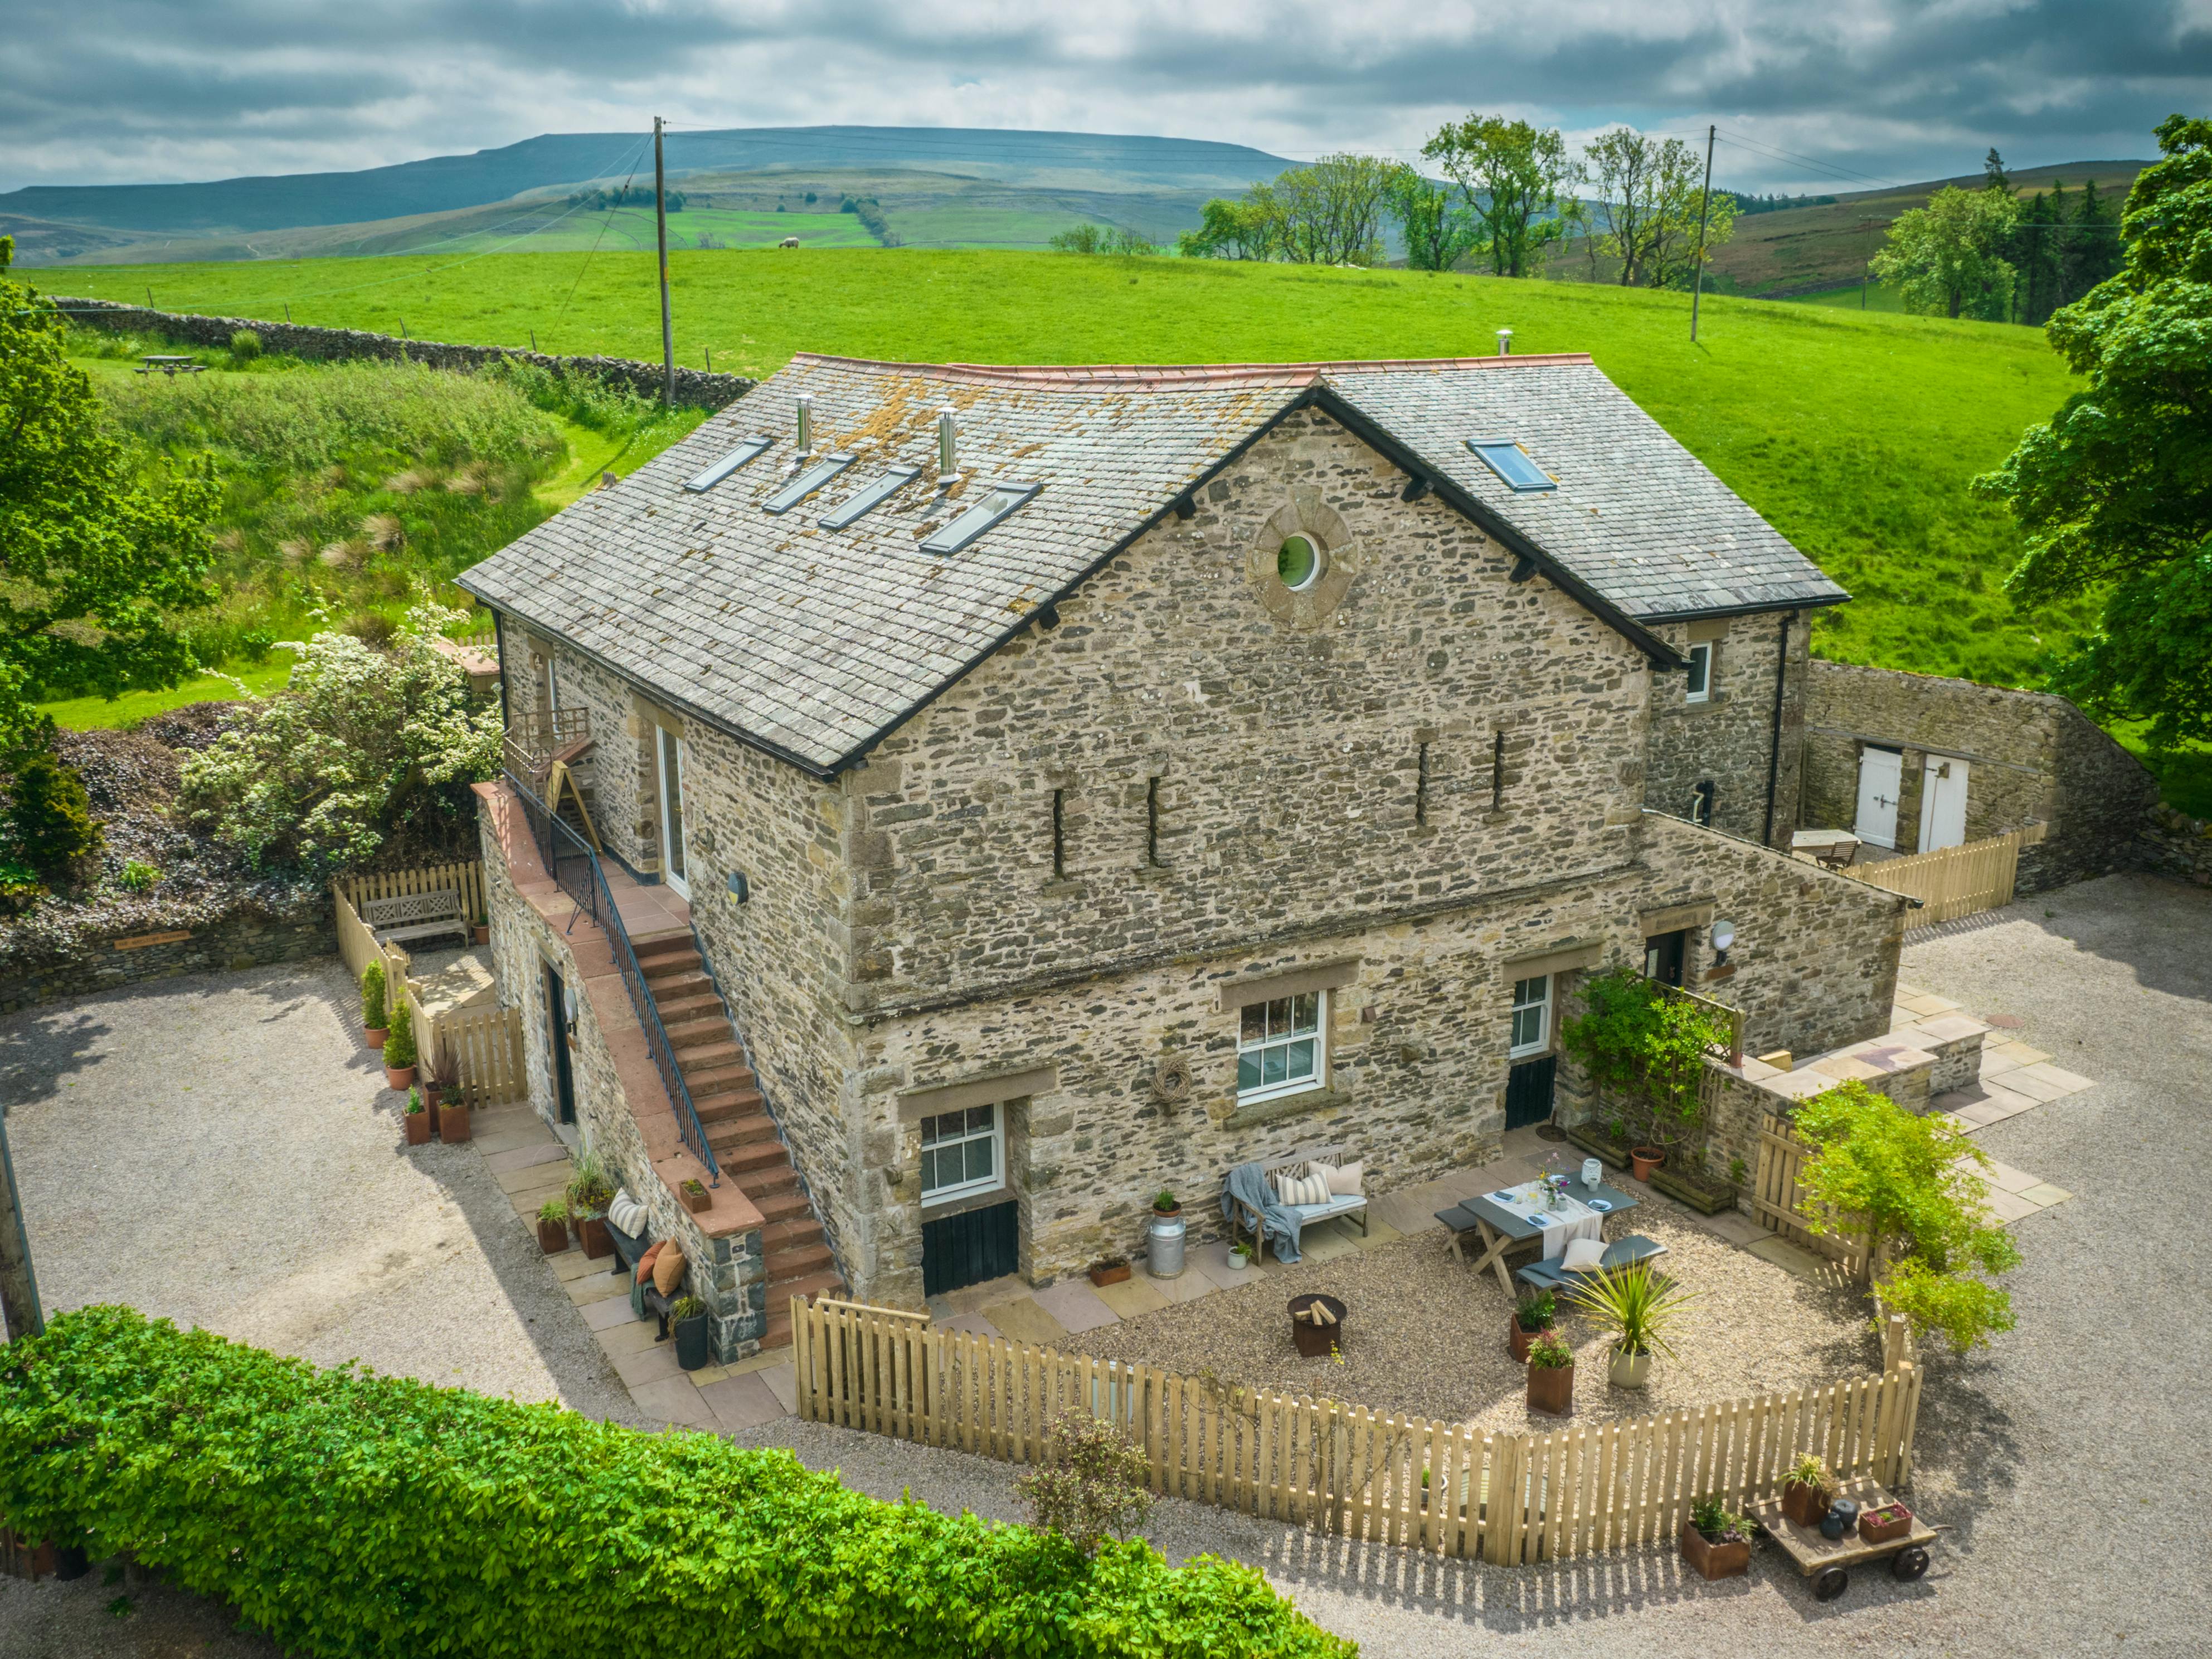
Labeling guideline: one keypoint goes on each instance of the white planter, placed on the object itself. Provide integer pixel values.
(1629, 1370)
(1238, 1266)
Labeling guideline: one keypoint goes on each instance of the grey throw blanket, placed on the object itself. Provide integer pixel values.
(1280, 1222)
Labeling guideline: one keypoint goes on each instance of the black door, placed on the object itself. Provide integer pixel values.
(970, 1247)
(1528, 1092)
(1663, 957)
(556, 1026)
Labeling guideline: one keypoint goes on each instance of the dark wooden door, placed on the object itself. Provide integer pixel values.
(556, 1027)
(1528, 1092)
(1663, 954)
(970, 1247)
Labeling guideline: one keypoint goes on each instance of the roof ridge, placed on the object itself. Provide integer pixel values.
(1291, 374)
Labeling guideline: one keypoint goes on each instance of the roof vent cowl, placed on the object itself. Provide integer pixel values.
(805, 424)
(1505, 342)
(948, 446)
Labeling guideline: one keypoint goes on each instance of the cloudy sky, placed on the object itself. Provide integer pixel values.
(112, 91)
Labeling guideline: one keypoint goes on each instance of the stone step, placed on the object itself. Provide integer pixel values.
(734, 1126)
(693, 1031)
(794, 1234)
(724, 1105)
(711, 1056)
(699, 1003)
(783, 1204)
(799, 1260)
(751, 1159)
(704, 1080)
(679, 983)
(677, 958)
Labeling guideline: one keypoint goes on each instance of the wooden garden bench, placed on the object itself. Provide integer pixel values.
(416, 915)
(1243, 1219)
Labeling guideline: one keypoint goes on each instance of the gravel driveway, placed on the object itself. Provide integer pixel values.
(2062, 1456)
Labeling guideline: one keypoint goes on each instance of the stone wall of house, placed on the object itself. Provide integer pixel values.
(248, 934)
(2031, 756)
(695, 388)
(1728, 740)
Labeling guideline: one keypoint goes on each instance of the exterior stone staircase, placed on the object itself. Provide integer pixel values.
(797, 1257)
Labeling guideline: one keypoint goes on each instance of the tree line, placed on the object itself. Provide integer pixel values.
(1984, 254)
(598, 201)
(1510, 194)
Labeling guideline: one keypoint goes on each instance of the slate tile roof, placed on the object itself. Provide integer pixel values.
(813, 643)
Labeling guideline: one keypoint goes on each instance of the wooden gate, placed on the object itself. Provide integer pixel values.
(1954, 881)
(1779, 1198)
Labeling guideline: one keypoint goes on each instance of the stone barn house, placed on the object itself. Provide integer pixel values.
(1026, 790)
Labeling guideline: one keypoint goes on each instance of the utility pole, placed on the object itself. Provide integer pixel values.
(1705, 210)
(660, 219)
(19, 1286)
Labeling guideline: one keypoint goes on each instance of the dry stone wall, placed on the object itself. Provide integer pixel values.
(247, 935)
(1730, 739)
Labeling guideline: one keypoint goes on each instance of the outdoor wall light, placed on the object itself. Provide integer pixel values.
(1724, 939)
(740, 888)
(568, 1009)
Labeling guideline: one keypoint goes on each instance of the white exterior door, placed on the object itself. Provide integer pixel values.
(1943, 804)
(1880, 771)
(672, 863)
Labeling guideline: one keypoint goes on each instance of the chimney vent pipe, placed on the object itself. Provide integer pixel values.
(1505, 342)
(948, 446)
(806, 424)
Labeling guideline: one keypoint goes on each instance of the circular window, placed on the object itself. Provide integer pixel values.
(1298, 562)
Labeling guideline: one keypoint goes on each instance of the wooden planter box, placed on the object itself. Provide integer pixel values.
(1551, 1388)
(1804, 1504)
(1586, 1137)
(1873, 1530)
(1700, 1191)
(592, 1233)
(1728, 1558)
(1102, 1275)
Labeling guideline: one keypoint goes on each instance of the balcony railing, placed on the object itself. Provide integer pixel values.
(536, 736)
(572, 864)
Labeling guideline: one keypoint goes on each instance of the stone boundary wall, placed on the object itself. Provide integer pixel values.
(695, 388)
(2175, 844)
(246, 936)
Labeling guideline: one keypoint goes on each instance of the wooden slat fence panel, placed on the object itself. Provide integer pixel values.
(1954, 881)
(1778, 1200)
(1511, 1499)
(467, 879)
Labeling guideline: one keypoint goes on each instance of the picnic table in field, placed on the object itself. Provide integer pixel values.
(1521, 1217)
(155, 363)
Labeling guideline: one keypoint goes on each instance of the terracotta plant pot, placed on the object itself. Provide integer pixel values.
(399, 1077)
(1629, 1370)
(1316, 1341)
(1551, 1388)
(1645, 1159)
(1804, 1504)
(375, 1035)
(1105, 1273)
(552, 1237)
(418, 1128)
(1723, 1558)
(696, 1199)
(1521, 1340)
(452, 1123)
(591, 1232)
(481, 933)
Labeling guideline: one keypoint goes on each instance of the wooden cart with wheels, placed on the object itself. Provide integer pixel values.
(1828, 1562)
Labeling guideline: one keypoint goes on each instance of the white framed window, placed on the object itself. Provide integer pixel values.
(1281, 1047)
(1697, 686)
(962, 1153)
(1532, 1017)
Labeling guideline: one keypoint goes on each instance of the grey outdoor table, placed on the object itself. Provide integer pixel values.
(1501, 1228)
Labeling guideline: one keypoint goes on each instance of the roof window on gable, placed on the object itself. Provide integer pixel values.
(869, 496)
(999, 502)
(750, 449)
(1510, 462)
(808, 482)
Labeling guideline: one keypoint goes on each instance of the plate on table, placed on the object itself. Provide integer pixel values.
(1601, 1205)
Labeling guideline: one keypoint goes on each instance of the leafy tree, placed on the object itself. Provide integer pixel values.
(1438, 235)
(1650, 193)
(2035, 254)
(1993, 172)
(1244, 229)
(1330, 213)
(94, 559)
(1910, 1182)
(355, 747)
(2114, 494)
(49, 818)
(1648, 1048)
(1948, 258)
(1510, 174)
(2092, 252)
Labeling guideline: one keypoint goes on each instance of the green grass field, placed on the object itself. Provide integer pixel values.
(1848, 298)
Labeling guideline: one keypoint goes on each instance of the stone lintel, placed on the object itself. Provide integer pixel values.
(986, 1089)
(1554, 959)
(1674, 918)
(1292, 982)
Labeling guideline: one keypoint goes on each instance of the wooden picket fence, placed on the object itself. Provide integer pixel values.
(467, 878)
(1507, 1498)
(485, 1045)
(1778, 1201)
(1954, 881)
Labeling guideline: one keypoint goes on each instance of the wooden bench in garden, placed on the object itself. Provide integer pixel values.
(416, 915)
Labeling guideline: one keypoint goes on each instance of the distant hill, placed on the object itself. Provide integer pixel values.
(258, 217)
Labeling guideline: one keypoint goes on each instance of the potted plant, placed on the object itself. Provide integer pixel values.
(553, 1226)
(1636, 1305)
(1110, 1270)
(1534, 1313)
(589, 1193)
(445, 1079)
(1881, 1525)
(1163, 1241)
(453, 1119)
(1240, 1258)
(1714, 1541)
(417, 1117)
(1167, 1203)
(480, 929)
(372, 1028)
(1805, 1490)
(1643, 1160)
(399, 1047)
(696, 1199)
(1551, 1376)
(687, 1314)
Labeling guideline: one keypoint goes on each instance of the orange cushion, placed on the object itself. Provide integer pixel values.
(668, 1270)
(645, 1262)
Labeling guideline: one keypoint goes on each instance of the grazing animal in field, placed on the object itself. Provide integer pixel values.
(788, 241)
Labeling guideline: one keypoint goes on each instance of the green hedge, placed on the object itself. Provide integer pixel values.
(346, 1513)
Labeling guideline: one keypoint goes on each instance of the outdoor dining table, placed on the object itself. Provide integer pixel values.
(155, 363)
(1501, 1228)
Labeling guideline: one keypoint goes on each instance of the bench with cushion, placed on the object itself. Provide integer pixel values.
(630, 1250)
(1551, 1273)
(1243, 1219)
(416, 915)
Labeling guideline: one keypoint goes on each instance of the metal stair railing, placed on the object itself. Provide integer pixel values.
(576, 868)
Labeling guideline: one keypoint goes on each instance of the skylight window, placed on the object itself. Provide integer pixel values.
(1511, 462)
(749, 450)
(998, 503)
(808, 482)
(869, 497)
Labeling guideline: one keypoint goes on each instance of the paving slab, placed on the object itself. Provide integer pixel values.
(2011, 1207)
(976, 1323)
(595, 1287)
(1133, 1295)
(2068, 1082)
(1379, 1232)
(1076, 1306)
(2032, 1081)
(627, 1337)
(656, 1362)
(674, 1400)
(547, 1151)
(2018, 1053)
(742, 1402)
(573, 1263)
(2005, 1178)
(1325, 1244)
(782, 1382)
(1735, 1226)
(506, 1140)
(1023, 1320)
(606, 1314)
(2046, 1194)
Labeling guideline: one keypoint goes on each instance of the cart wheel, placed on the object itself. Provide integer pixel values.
(1909, 1564)
(1830, 1584)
